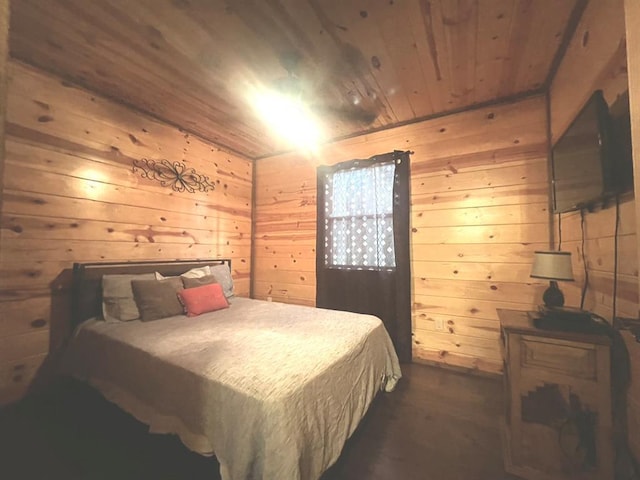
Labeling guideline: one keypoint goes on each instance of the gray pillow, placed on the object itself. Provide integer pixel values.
(223, 276)
(118, 304)
(193, 273)
(157, 298)
(198, 282)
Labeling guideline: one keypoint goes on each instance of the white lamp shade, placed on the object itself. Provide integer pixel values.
(552, 266)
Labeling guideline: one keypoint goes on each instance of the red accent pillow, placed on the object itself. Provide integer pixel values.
(206, 298)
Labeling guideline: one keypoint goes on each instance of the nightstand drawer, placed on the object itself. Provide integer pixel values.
(573, 359)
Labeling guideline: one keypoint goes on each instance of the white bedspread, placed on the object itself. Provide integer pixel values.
(274, 390)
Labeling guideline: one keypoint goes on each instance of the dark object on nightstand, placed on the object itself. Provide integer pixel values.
(569, 320)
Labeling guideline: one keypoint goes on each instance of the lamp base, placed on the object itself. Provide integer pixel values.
(552, 296)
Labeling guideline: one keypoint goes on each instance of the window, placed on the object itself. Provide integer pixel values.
(363, 259)
(358, 226)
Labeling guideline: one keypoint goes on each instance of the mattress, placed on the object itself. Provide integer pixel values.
(273, 390)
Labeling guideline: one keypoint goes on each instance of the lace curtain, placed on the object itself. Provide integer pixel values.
(358, 225)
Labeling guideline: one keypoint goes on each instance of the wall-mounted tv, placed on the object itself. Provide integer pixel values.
(591, 161)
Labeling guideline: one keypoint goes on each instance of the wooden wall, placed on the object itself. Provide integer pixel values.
(479, 209)
(597, 59)
(4, 54)
(70, 195)
(632, 20)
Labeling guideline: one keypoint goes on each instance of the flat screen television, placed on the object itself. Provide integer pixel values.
(591, 161)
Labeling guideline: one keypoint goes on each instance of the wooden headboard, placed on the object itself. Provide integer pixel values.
(87, 281)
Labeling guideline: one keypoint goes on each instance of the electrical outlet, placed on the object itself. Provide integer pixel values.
(439, 324)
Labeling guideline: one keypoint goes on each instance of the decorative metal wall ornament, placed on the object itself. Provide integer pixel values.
(175, 175)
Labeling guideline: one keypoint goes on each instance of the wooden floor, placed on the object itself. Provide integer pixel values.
(438, 425)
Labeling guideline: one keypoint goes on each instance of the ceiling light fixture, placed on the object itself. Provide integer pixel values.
(288, 117)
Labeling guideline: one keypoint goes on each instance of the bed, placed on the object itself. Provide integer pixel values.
(272, 390)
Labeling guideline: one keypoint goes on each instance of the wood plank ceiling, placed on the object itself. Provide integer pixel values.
(361, 65)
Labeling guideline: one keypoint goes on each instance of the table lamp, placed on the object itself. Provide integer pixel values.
(552, 266)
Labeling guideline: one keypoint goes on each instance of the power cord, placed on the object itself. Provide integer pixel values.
(559, 231)
(584, 263)
(615, 260)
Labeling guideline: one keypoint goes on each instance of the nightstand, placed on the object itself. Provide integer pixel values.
(558, 419)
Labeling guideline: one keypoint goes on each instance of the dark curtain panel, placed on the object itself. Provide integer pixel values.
(372, 274)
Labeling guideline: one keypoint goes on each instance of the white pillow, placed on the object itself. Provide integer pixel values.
(193, 273)
(222, 274)
(118, 304)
